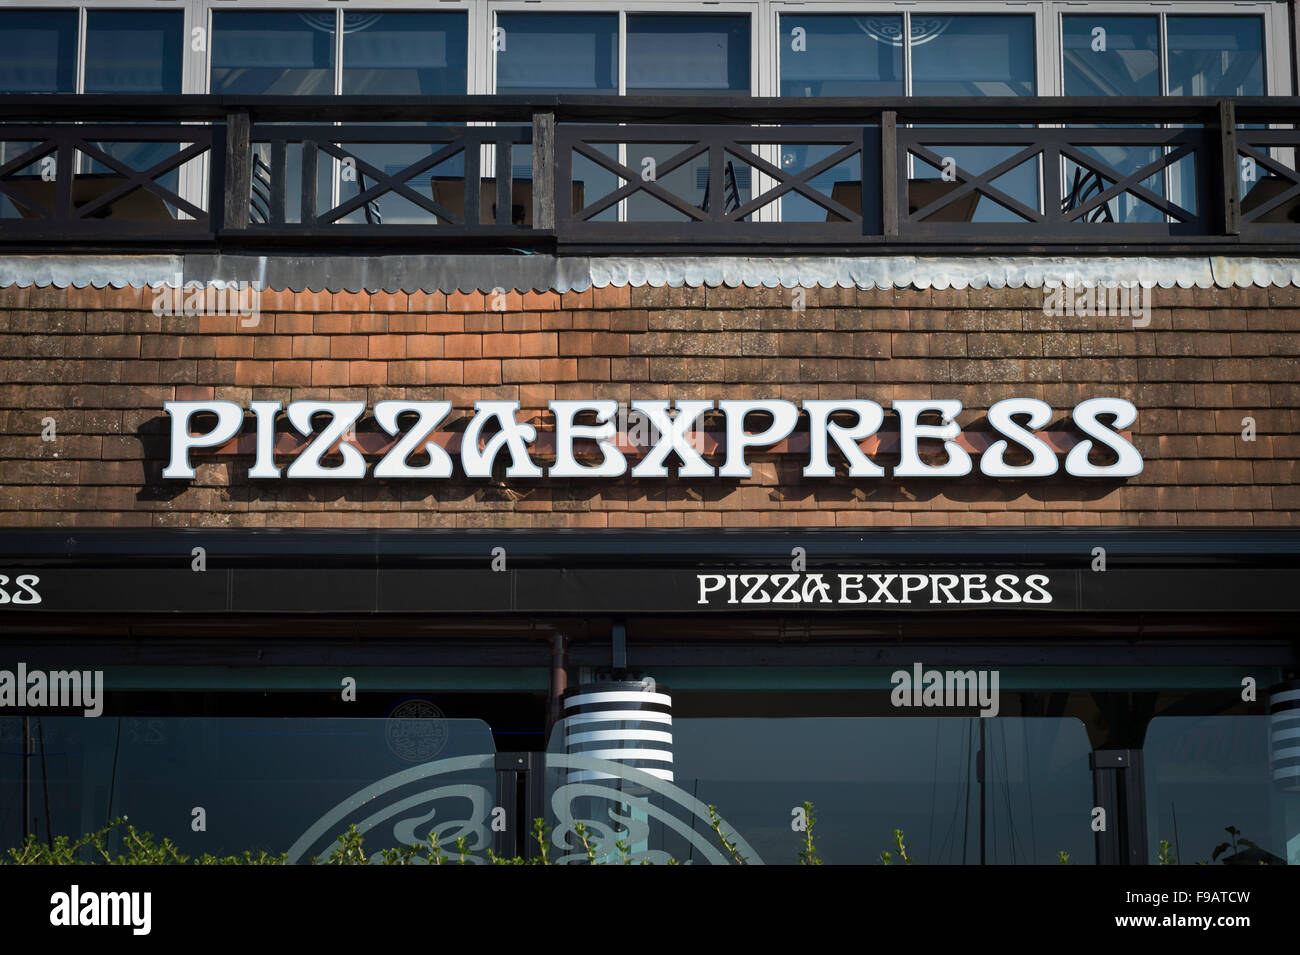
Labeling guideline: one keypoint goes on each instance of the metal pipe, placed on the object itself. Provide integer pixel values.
(980, 764)
(27, 778)
(559, 682)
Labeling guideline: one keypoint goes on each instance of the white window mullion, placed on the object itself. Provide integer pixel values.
(336, 184)
(622, 91)
(1162, 59)
(79, 82)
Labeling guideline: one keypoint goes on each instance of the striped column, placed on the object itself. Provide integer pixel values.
(1284, 734)
(622, 721)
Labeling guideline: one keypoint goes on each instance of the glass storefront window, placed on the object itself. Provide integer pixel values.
(865, 777)
(1204, 774)
(264, 783)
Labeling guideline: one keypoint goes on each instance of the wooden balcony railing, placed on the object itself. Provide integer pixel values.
(631, 174)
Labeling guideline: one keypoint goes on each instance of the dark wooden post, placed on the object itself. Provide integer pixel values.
(1230, 188)
(238, 179)
(308, 199)
(544, 185)
(889, 185)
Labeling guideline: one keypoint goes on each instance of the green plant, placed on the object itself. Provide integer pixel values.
(808, 852)
(1238, 843)
(715, 823)
(1164, 856)
(539, 833)
(138, 848)
(887, 857)
(1063, 857)
(587, 847)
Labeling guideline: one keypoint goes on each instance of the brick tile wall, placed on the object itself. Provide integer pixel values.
(100, 364)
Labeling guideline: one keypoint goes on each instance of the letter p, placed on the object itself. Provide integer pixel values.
(705, 590)
(230, 418)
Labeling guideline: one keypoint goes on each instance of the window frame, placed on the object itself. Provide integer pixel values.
(765, 33)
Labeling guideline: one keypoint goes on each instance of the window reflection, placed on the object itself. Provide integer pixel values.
(841, 55)
(529, 64)
(558, 53)
(973, 56)
(687, 54)
(1111, 56)
(404, 53)
(273, 53)
(38, 51)
(1216, 56)
(134, 52)
(267, 779)
(867, 776)
(1206, 773)
(678, 55)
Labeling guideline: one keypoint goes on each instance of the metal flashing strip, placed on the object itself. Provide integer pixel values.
(545, 272)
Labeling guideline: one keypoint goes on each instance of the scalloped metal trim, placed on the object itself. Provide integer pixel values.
(541, 272)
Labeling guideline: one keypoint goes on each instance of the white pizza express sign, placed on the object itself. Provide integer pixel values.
(671, 427)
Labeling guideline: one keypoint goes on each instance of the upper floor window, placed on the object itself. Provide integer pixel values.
(1203, 55)
(834, 55)
(403, 53)
(664, 53)
(134, 51)
(864, 55)
(126, 51)
(687, 54)
(526, 45)
(38, 51)
(973, 55)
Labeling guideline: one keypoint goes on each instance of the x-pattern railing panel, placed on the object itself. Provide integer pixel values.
(721, 146)
(99, 209)
(1048, 147)
(1277, 210)
(338, 143)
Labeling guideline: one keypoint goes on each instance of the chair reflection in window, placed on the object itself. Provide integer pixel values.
(920, 194)
(730, 190)
(1087, 183)
(1265, 193)
(259, 206)
(449, 192)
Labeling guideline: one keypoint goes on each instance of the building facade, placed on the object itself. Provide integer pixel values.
(441, 416)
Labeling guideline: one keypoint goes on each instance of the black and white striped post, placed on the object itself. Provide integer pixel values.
(624, 721)
(1284, 734)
